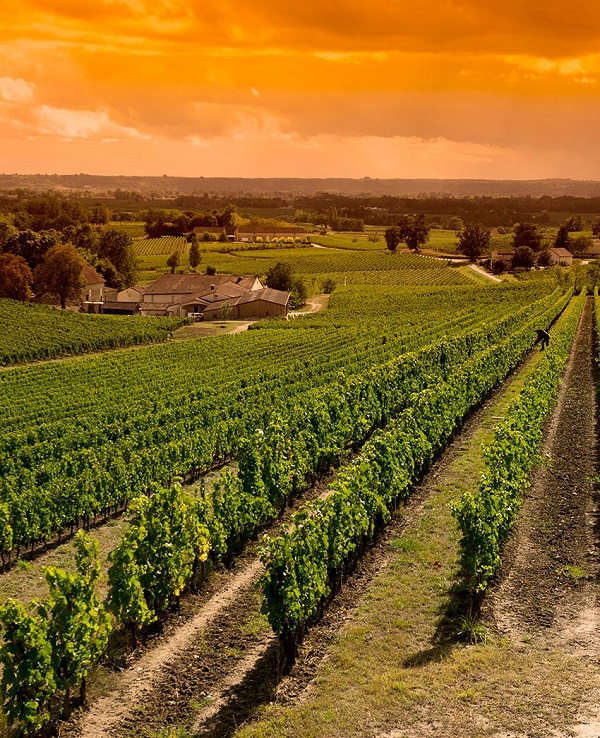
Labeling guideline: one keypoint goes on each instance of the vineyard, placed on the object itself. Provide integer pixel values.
(368, 392)
(34, 332)
(166, 245)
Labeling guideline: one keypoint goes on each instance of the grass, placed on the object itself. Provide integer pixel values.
(398, 668)
(25, 580)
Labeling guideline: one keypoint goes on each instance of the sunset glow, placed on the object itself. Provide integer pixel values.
(264, 88)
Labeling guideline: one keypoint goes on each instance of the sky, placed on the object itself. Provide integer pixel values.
(316, 88)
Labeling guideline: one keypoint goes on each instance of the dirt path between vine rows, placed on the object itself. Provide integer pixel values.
(548, 589)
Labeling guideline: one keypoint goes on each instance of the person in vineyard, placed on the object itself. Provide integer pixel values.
(543, 337)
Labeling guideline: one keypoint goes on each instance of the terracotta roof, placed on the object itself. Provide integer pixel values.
(91, 276)
(267, 295)
(559, 251)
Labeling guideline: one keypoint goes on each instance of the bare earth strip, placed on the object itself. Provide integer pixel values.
(109, 711)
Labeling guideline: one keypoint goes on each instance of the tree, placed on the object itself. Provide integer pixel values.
(562, 240)
(574, 224)
(454, 223)
(329, 286)
(173, 261)
(473, 240)
(100, 214)
(527, 234)
(60, 274)
(596, 228)
(523, 257)
(580, 244)
(210, 269)
(543, 258)
(16, 277)
(116, 246)
(8, 232)
(298, 293)
(280, 277)
(414, 231)
(392, 238)
(195, 256)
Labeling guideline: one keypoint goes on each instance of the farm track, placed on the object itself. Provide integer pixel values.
(549, 581)
(213, 672)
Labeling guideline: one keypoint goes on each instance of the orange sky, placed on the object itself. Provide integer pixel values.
(435, 88)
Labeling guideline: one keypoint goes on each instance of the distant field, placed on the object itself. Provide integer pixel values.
(439, 240)
(133, 229)
(351, 267)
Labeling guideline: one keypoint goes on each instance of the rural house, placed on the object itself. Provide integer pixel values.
(93, 290)
(560, 256)
(212, 296)
(263, 303)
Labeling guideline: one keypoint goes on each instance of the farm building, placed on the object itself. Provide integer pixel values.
(263, 303)
(93, 290)
(503, 256)
(560, 256)
(249, 233)
(213, 296)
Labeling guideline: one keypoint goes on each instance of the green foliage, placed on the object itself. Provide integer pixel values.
(32, 332)
(60, 275)
(432, 394)
(527, 234)
(28, 678)
(49, 651)
(157, 557)
(486, 518)
(78, 626)
(133, 419)
(393, 237)
(173, 261)
(473, 241)
(195, 257)
(414, 231)
(280, 277)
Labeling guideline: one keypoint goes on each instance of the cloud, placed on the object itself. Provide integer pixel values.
(16, 90)
(88, 124)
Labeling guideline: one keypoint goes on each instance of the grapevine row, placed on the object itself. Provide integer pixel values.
(33, 332)
(303, 563)
(276, 461)
(486, 518)
(41, 497)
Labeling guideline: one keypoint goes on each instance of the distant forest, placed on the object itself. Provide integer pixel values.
(172, 186)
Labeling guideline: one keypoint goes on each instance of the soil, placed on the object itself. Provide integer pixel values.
(551, 564)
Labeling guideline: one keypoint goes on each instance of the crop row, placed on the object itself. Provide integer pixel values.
(33, 332)
(486, 518)
(281, 458)
(56, 472)
(305, 561)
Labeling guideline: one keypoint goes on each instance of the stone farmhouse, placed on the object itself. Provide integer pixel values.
(212, 296)
(94, 288)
